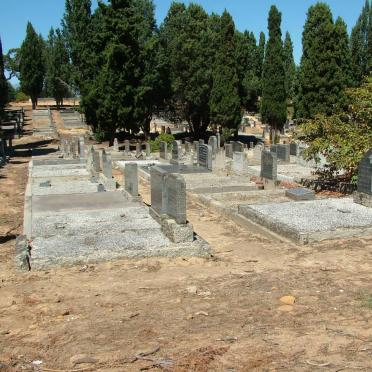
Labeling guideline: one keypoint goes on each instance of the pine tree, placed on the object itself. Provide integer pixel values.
(225, 101)
(322, 76)
(32, 64)
(57, 67)
(273, 105)
(289, 65)
(261, 57)
(359, 42)
(3, 83)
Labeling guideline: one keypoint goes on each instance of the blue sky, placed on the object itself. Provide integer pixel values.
(248, 15)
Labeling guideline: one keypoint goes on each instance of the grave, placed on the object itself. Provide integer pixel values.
(229, 150)
(283, 153)
(131, 182)
(294, 149)
(300, 194)
(268, 168)
(163, 150)
(363, 195)
(205, 156)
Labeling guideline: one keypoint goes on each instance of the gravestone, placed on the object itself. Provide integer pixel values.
(116, 144)
(282, 152)
(294, 149)
(257, 154)
(148, 149)
(81, 147)
(273, 148)
(269, 165)
(300, 194)
(138, 150)
(175, 151)
(106, 165)
(205, 156)
(213, 143)
(176, 197)
(229, 150)
(363, 195)
(218, 135)
(237, 146)
(127, 147)
(238, 165)
(96, 161)
(187, 146)
(163, 150)
(195, 145)
(251, 145)
(158, 190)
(201, 141)
(131, 179)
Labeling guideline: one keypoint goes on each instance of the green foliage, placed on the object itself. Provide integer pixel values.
(345, 137)
(361, 45)
(224, 99)
(57, 73)
(248, 69)
(164, 137)
(226, 134)
(3, 83)
(32, 64)
(11, 92)
(99, 135)
(325, 64)
(289, 66)
(186, 36)
(11, 63)
(21, 97)
(273, 105)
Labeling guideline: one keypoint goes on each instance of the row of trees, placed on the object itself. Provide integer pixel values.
(195, 66)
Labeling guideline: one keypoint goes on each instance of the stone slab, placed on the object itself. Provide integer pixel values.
(300, 194)
(311, 221)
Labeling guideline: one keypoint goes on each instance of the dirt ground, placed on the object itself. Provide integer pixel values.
(219, 314)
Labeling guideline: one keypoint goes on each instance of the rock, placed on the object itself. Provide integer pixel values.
(192, 289)
(6, 332)
(66, 312)
(285, 308)
(82, 358)
(288, 300)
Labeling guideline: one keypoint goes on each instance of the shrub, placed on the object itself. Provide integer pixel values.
(21, 97)
(155, 144)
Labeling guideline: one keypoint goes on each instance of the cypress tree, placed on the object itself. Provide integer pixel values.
(359, 44)
(186, 41)
(289, 65)
(119, 78)
(32, 64)
(322, 76)
(273, 104)
(247, 69)
(3, 83)
(57, 66)
(261, 54)
(225, 101)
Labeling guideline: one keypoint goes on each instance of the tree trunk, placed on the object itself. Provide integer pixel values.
(34, 102)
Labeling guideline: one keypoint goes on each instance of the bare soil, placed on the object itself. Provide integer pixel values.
(218, 314)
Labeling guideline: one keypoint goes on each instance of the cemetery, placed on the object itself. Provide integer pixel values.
(180, 193)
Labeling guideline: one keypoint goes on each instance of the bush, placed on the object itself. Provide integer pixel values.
(21, 97)
(164, 137)
(99, 135)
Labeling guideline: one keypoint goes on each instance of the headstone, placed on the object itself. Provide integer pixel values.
(300, 194)
(187, 146)
(257, 154)
(282, 151)
(81, 147)
(116, 144)
(106, 165)
(195, 145)
(158, 190)
(363, 194)
(148, 149)
(213, 143)
(229, 150)
(237, 146)
(273, 148)
(251, 145)
(127, 147)
(138, 149)
(131, 178)
(96, 161)
(294, 149)
(176, 197)
(163, 150)
(205, 156)
(175, 151)
(269, 165)
(218, 135)
(239, 162)
(201, 141)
